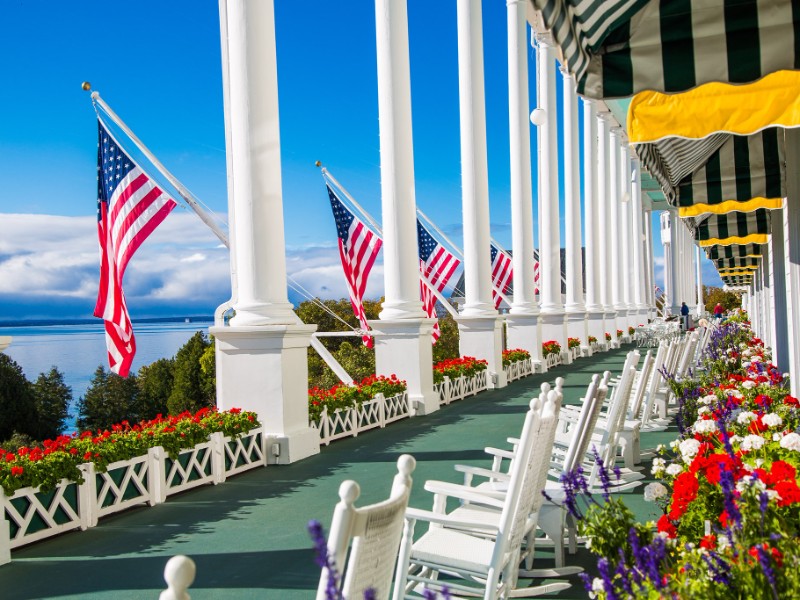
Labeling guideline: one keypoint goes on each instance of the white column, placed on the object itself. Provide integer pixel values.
(552, 315)
(615, 232)
(699, 266)
(480, 327)
(649, 266)
(626, 234)
(676, 255)
(402, 343)
(639, 254)
(523, 318)
(574, 307)
(261, 361)
(791, 241)
(780, 346)
(593, 234)
(605, 217)
(769, 300)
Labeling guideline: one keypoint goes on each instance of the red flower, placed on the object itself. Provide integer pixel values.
(666, 526)
(788, 491)
(235, 411)
(763, 400)
(781, 471)
(17, 471)
(791, 401)
(708, 541)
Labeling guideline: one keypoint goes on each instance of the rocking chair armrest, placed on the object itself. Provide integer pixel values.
(481, 472)
(415, 514)
(462, 492)
(499, 453)
(513, 441)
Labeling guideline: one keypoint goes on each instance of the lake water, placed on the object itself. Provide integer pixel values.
(77, 350)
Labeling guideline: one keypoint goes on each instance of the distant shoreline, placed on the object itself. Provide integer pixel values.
(48, 322)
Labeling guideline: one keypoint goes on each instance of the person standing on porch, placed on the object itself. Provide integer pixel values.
(718, 310)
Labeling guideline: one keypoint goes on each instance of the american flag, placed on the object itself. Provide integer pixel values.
(437, 264)
(536, 271)
(358, 248)
(501, 273)
(129, 207)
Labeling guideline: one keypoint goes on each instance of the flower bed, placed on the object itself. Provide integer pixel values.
(122, 472)
(457, 378)
(464, 366)
(732, 517)
(551, 351)
(517, 364)
(342, 397)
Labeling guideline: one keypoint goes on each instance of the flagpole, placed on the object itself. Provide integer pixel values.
(440, 232)
(445, 302)
(179, 187)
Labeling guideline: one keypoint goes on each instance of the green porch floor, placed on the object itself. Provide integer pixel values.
(248, 536)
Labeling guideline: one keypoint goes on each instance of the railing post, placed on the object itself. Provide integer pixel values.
(381, 399)
(217, 440)
(5, 531)
(448, 389)
(264, 447)
(88, 509)
(156, 475)
(324, 426)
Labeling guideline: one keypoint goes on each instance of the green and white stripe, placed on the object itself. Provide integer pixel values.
(734, 224)
(617, 48)
(733, 251)
(730, 263)
(744, 167)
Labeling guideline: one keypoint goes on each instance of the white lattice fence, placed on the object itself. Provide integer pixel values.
(518, 369)
(461, 387)
(349, 422)
(553, 360)
(574, 353)
(30, 515)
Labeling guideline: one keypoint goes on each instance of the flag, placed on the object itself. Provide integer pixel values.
(536, 272)
(436, 264)
(501, 273)
(358, 248)
(129, 207)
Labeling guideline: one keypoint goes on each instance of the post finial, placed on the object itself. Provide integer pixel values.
(318, 163)
(86, 86)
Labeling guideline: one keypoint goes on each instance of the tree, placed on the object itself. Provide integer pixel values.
(52, 399)
(155, 382)
(17, 405)
(728, 300)
(447, 344)
(110, 399)
(192, 389)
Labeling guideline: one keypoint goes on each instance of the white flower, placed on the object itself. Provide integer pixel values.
(736, 394)
(674, 444)
(791, 441)
(785, 375)
(654, 491)
(745, 364)
(688, 449)
(755, 359)
(748, 384)
(747, 481)
(658, 466)
(776, 437)
(745, 417)
(723, 542)
(674, 469)
(735, 439)
(772, 420)
(705, 426)
(752, 442)
(703, 410)
(708, 399)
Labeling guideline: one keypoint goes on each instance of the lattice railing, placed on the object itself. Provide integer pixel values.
(31, 514)
(518, 369)
(553, 360)
(349, 422)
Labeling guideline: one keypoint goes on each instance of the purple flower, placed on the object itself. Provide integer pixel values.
(324, 560)
(765, 561)
(605, 575)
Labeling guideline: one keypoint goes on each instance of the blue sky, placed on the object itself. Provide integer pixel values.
(158, 65)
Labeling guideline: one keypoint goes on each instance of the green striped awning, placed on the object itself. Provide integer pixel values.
(719, 173)
(616, 48)
(733, 251)
(728, 263)
(747, 172)
(732, 228)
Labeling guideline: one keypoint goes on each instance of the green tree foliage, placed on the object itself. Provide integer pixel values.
(109, 400)
(155, 383)
(17, 405)
(728, 300)
(192, 389)
(52, 398)
(447, 345)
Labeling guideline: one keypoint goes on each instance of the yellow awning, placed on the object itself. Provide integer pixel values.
(739, 271)
(716, 107)
(695, 210)
(753, 238)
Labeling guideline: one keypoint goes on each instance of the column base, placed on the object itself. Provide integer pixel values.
(265, 369)
(403, 348)
(577, 328)
(522, 331)
(610, 324)
(595, 327)
(482, 337)
(554, 327)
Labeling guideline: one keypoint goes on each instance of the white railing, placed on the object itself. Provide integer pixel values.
(349, 422)
(459, 388)
(553, 359)
(518, 369)
(574, 353)
(30, 514)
